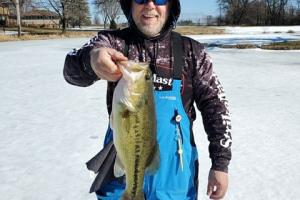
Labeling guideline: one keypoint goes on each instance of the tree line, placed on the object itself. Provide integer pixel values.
(232, 12)
(73, 13)
(259, 12)
(70, 12)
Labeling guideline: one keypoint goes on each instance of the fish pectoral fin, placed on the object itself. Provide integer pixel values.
(153, 162)
(118, 168)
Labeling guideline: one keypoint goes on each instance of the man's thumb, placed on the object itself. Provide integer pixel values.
(210, 189)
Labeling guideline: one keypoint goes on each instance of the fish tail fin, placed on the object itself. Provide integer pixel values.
(138, 196)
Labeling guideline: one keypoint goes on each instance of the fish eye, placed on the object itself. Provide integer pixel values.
(147, 76)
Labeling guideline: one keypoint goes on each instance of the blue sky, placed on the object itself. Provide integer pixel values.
(194, 9)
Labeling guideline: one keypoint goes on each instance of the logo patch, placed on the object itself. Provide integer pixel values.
(161, 83)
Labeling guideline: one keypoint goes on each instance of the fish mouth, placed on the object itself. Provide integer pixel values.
(138, 67)
(132, 66)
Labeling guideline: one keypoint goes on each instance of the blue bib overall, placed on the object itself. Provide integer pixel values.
(177, 176)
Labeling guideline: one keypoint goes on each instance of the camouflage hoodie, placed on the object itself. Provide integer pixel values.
(200, 85)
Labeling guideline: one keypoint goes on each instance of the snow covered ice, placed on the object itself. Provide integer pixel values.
(49, 129)
(251, 35)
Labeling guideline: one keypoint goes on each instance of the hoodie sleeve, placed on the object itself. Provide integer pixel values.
(77, 68)
(210, 100)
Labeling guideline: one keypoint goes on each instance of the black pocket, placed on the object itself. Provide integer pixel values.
(103, 164)
(196, 181)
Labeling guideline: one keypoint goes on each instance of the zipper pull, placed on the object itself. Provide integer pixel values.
(179, 140)
(180, 153)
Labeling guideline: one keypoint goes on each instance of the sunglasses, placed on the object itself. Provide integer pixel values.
(156, 2)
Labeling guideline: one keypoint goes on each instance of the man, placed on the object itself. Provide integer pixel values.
(182, 76)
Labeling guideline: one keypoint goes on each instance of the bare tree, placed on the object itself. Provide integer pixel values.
(59, 7)
(298, 12)
(276, 11)
(222, 6)
(260, 12)
(4, 8)
(23, 5)
(78, 13)
(97, 19)
(235, 10)
(73, 11)
(256, 13)
(17, 5)
(109, 9)
(18, 17)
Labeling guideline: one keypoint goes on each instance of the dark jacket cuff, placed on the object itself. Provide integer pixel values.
(220, 164)
(87, 66)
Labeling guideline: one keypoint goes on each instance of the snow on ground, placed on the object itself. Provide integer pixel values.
(8, 32)
(261, 29)
(49, 129)
(257, 39)
(262, 89)
(232, 29)
(87, 28)
(257, 35)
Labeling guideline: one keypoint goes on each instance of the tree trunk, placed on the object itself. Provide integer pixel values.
(105, 21)
(18, 17)
(63, 21)
(113, 24)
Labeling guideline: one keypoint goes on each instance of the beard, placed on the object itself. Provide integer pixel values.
(151, 30)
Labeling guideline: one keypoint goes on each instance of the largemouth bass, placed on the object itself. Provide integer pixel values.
(133, 121)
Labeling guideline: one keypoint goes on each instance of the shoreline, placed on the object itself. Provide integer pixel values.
(290, 40)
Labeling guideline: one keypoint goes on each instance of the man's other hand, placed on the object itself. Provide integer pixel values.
(104, 63)
(217, 184)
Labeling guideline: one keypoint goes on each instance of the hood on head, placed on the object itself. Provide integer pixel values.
(174, 11)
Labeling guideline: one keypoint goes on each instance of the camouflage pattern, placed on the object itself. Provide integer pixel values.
(200, 85)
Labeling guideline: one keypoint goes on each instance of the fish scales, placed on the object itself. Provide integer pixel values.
(134, 125)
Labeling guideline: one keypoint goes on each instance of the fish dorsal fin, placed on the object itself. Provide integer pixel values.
(118, 168)
(153, 162)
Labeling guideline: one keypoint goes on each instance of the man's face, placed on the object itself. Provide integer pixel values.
(150, 18)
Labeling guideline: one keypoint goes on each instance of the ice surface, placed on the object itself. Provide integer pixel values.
(261, 29)
(49, 129)
(257, 39)
(251, 35)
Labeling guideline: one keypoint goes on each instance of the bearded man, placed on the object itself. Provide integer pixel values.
(182, 70)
